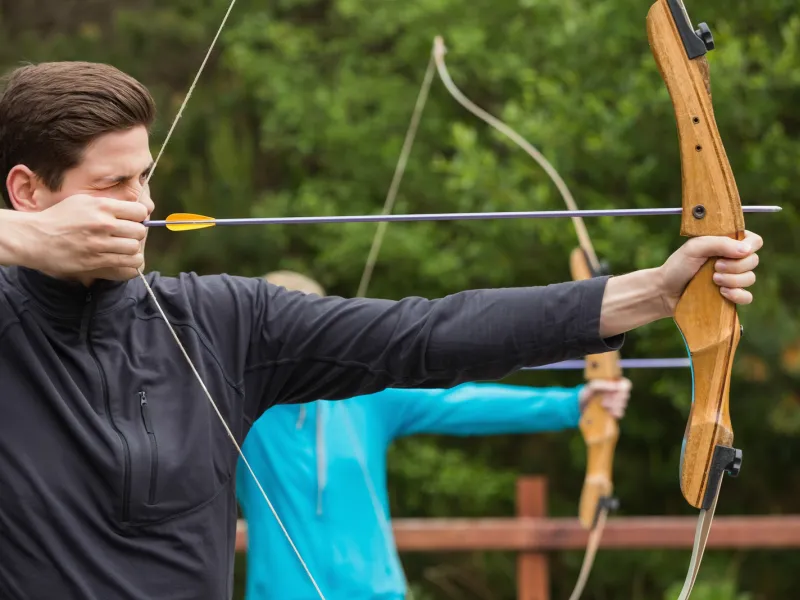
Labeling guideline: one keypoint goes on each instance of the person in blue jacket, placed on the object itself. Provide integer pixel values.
(323, 465)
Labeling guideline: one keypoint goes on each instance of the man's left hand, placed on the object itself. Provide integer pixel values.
(733, 269)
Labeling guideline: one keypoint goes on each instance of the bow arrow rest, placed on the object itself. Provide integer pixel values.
(192, 222)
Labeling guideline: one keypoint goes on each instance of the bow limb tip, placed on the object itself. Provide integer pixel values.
(439, 48)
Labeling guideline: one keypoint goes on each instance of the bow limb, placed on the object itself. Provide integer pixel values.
(172, 331)
(439, 51)
(711, 206)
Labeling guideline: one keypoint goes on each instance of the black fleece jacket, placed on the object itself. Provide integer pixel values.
(116, 476)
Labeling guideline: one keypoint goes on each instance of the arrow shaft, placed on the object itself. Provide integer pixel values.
(626, 363)
(536, 214)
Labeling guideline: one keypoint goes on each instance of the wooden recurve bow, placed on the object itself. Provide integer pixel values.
(600, 433)
(599, 428)
(711, 206)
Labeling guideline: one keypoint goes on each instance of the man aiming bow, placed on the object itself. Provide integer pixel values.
(118, 477)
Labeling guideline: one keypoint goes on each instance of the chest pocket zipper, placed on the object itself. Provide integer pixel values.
(148, 426)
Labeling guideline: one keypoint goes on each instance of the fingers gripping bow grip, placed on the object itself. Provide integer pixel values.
(711, 206)
(599, 429)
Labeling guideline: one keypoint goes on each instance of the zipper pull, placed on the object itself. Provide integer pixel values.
(145, 413)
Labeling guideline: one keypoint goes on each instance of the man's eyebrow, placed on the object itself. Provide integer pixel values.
(116, 179)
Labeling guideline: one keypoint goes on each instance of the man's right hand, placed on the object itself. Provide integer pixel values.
(83, 234)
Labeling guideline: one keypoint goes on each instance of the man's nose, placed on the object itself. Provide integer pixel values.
(148, 202)
(143, 195)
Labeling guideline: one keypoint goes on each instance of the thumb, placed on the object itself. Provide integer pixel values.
(718, 246)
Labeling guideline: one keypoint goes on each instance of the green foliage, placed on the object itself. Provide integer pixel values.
(303, 110)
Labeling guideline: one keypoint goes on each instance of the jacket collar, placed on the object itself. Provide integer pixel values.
(64, 298)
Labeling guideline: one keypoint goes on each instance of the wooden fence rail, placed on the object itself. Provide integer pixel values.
(532, 534)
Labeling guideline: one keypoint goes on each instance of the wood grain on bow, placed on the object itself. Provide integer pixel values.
(600, 433)
(599, 428)
(711, 206)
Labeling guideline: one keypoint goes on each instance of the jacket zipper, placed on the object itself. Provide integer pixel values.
(153, 447)
(88, 313)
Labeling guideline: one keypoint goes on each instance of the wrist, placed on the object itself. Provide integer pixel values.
(667, 306)
(633, 300)
(15, 237)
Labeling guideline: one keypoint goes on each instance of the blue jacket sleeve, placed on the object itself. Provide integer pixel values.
(479, 409)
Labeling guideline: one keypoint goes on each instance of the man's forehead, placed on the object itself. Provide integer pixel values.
(119, 152)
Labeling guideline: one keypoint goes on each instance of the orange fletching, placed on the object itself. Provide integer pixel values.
(172, 226)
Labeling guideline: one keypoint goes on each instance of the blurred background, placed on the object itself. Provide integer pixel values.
(302, 111)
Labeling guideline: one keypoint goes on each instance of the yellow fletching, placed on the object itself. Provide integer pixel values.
(188, 226)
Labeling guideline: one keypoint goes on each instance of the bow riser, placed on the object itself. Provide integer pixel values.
(599, 429)
(711, 206)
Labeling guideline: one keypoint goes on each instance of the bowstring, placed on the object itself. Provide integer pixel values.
(152, 295)
(584, 240)
(399, 171)
(592, 545)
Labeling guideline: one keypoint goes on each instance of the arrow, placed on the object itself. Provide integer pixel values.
(190, 222)
(627, 363)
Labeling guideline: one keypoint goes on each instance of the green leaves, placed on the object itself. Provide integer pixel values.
(303, 110)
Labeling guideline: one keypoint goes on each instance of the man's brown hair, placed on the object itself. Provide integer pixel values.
(50, 113)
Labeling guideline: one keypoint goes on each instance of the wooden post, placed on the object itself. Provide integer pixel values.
(533, 575)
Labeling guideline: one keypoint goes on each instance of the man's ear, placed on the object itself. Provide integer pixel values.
(22, 185)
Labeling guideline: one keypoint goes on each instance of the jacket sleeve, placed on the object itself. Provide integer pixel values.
(304, 347)
(480, 409)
